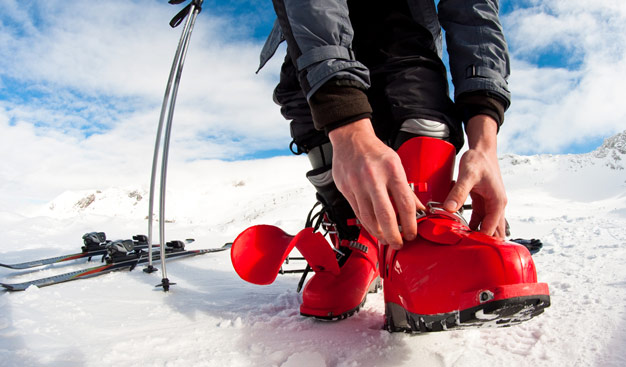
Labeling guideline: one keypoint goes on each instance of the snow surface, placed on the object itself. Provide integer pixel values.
(576, 204)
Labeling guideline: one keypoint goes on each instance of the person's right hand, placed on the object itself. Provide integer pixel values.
(371, 177)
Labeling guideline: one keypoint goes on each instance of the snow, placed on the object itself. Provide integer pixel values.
(576, 204)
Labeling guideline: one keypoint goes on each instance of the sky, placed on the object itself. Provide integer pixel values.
(81, 86)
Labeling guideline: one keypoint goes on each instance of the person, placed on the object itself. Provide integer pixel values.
(361, 77)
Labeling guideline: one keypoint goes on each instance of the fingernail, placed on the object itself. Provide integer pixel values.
(409, 237)
(396, 246)
(450, 205)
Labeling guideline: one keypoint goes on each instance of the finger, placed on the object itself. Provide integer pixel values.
(501, 229)
(367, 216)
(407, 205)
(478, 212)
(489, 224)
(386, 218)
(459, 192)
(475, 220)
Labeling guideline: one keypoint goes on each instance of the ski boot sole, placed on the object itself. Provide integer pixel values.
(499, 313)
(373, 288)
(332, 317)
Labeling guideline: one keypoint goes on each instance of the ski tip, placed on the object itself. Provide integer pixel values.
(189, 240)
(227, 245)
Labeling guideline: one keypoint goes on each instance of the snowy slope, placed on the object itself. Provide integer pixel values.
(575, 203)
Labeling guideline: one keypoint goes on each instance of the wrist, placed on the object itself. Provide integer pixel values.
(347, 133)
(481, 102)
(482, 133)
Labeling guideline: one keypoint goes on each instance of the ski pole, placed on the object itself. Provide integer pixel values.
(190, 12)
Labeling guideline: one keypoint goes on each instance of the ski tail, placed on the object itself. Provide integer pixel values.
(53, 260)
(95, 245)
(141, 257)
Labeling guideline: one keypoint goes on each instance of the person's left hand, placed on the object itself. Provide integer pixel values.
(480, 177)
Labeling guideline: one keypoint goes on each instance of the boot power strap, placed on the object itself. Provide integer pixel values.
(436, 208)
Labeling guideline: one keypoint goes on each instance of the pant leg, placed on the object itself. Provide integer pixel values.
(294, 107)
(409, 80)
(306, 139)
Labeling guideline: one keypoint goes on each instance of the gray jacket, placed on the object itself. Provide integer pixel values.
(477, 49)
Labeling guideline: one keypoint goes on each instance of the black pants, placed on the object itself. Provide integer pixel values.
(408, 79)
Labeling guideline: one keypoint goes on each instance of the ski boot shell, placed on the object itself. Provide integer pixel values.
(331, 296)
(334, 292)
(259, 252)
(450, 276)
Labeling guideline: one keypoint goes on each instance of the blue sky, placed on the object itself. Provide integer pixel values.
(94, 110)
(81, 84)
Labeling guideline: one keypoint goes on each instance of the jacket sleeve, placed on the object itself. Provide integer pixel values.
(479, 58)
(319, 38)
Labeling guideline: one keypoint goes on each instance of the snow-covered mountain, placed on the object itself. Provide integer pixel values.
(576, 204)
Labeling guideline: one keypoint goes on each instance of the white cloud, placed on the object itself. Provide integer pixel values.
(122, 51)
(555, 108)
(93, 76)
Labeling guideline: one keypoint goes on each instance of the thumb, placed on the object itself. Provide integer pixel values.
(458, 195)
(489, 224)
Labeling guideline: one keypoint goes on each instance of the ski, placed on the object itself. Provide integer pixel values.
(53, 260)
(115, 262)
(533, 245)
(94, 245)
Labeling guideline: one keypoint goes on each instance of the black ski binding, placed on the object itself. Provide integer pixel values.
(175, 246)
(121, 250)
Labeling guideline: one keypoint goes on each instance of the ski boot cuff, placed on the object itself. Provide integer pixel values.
(429, 167)
(338, 211)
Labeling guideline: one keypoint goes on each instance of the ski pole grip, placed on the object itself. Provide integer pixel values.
(178, 18)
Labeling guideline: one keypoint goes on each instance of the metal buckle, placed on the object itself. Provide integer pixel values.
(432, 208)
(436, 208)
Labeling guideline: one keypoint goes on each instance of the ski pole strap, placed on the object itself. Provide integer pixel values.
(178, 18)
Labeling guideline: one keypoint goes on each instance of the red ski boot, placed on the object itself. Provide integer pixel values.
(450, 276)
(337, 296)
(342, 277)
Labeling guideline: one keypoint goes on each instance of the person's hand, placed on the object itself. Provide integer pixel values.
(480, 177)
(371, 177)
